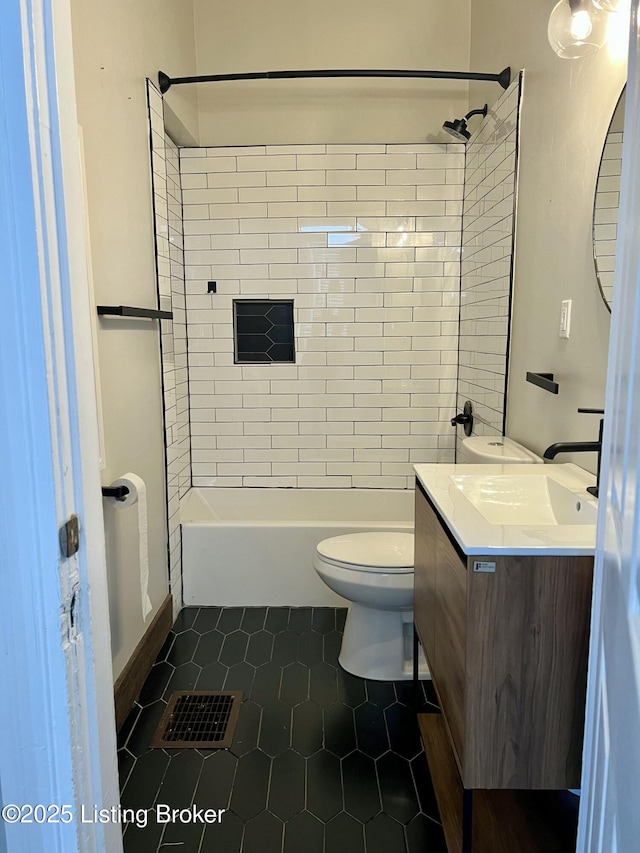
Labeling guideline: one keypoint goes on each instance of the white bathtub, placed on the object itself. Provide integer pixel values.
(251, 547)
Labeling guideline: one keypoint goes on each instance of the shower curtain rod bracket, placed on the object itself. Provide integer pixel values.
(504, 77)
(165, 82)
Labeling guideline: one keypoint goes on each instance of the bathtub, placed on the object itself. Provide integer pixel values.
(250, 547)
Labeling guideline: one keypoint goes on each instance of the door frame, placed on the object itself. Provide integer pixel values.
(57, 737)
(609, 818)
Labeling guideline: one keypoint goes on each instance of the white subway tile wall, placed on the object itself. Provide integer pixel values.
(605, 221)
(365, 240)
(167, 195)
(487, 248)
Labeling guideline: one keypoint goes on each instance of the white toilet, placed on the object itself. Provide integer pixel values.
(374, 571)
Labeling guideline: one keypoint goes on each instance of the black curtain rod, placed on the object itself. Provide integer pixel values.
(165, 82)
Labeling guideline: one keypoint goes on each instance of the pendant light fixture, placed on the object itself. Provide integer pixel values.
(613, 5)
(578, 28)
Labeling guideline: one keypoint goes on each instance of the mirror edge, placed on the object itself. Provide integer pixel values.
(595, 198)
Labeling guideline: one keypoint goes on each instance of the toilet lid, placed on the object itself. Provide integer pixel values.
(370, 552)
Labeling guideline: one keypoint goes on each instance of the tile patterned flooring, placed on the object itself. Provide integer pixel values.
(322, 761)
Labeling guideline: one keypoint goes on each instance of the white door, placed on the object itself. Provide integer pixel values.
(57, 738)
(610, 812)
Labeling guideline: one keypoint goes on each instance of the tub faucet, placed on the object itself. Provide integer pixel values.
(581, 447)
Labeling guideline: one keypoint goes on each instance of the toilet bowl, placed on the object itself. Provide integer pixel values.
(374, 572)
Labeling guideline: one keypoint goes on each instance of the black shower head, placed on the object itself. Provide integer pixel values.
(458, 127)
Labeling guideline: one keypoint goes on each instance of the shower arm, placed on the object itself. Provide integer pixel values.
(165, 82)
(481, 112)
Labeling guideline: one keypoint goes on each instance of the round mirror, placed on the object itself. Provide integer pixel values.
(605, 208)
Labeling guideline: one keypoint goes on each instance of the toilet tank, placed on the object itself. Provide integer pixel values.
(495, 449)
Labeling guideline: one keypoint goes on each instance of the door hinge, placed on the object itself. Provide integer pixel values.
(70, 536)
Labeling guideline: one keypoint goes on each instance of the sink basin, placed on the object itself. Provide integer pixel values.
(535, 499)
(514, 509)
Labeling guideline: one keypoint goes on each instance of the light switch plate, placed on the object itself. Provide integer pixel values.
(565, 318)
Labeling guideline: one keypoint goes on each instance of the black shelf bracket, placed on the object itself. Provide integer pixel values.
(543, 380)
(129, 311)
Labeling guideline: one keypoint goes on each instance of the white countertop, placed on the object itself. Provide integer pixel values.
(477, 536)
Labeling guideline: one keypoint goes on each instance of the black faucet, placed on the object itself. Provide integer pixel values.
(581, 447)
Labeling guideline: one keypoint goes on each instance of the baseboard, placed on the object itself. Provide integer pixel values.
(129, 683)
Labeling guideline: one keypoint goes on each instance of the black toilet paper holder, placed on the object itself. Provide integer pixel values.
(117, 492)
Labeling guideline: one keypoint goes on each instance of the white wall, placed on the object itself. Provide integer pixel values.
(116, 46)
(566, 109)
(284, 35)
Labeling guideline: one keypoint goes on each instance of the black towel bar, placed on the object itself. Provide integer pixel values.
(129, 311)
(543, 380)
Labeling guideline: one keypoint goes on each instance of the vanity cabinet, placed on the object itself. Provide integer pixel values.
(506, 640)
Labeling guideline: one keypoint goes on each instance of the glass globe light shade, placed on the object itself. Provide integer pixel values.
(577, 28)
(613, 5)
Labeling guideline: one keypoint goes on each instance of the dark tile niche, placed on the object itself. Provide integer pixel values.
(263, 331)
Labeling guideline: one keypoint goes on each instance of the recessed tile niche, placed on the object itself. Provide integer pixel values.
(263, 331)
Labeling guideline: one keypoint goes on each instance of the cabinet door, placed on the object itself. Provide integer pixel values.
(450, 638)
(424, 576)
(528, 630)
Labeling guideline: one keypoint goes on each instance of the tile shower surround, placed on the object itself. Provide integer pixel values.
(366, 240)
(487, 250)
(167, 202)
(322, 761)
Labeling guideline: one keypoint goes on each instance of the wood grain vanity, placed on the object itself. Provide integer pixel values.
(506, 640)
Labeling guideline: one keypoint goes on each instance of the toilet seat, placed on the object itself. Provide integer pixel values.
(384, 552)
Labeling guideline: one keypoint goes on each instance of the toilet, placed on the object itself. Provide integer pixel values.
(374, 572)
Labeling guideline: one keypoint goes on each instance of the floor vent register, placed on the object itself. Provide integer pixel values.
(200, 719)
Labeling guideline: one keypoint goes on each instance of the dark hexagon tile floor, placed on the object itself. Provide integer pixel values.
(321, 762)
